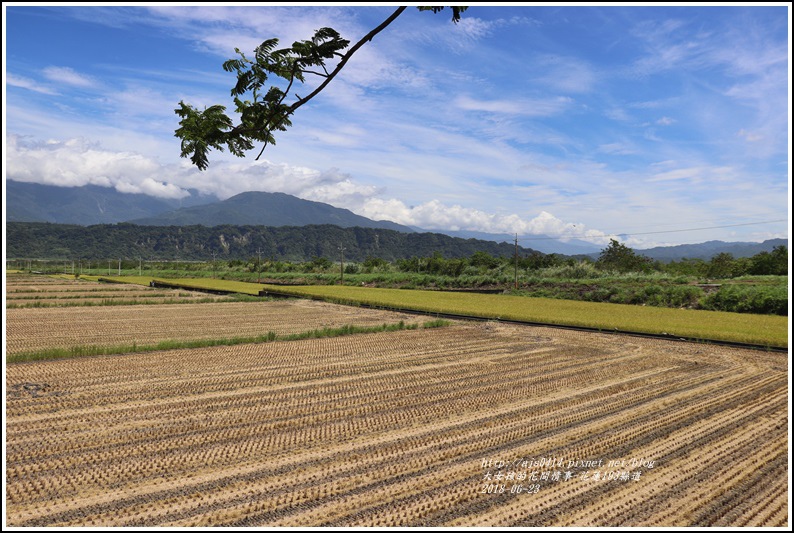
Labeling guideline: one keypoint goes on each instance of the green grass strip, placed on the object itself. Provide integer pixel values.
(88, 350)
(224, 285)
(765, 330)
(132, 280)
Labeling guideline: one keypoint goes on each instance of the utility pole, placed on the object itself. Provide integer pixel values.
(140, 266)
(213, 264)
(259, 264)
(109, 261)
(341, 262)
(119, 267)
(516, 262)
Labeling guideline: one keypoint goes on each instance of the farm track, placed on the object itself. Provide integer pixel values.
(391, 429)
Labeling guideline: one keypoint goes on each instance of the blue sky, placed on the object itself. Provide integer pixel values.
(582, 122)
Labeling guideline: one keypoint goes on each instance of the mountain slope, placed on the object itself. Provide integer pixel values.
(709, 249)
(203, 243)
(272, 209)
(87, 205)
(541, 243)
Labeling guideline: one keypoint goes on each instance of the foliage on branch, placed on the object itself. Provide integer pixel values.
(261, 110)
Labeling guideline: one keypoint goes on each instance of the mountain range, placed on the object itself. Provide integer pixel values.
(91, 205)
(272, 209)
(87, 205)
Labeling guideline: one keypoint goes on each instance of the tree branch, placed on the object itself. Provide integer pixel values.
(347, 56)
(201, 131)
(368, 37)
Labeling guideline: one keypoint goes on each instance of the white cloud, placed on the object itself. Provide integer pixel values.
(617, 148)
(68, 76)
(665, 121)
(221, 29)
(678, 174)
(435, 215)
(76, 162)
(26, 83)
(540, 107)
(750, 136)
(699, 174)
(566, 74)
(463, 36)
(618, 114)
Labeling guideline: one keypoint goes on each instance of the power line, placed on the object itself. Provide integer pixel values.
(585, 237)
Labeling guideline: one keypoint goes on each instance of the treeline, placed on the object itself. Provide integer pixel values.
(314, 248)
(616, 258)
(201, 243)
(620, 258)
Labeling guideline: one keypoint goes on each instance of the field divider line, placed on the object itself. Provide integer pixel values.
(271, 336)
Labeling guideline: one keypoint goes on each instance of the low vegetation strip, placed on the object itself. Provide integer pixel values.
(35, 330)
(762, 330)
(204, 284)
(271, 336)
(222, 285)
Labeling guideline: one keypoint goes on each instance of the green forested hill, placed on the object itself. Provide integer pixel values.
(129, 241)
(256, 208)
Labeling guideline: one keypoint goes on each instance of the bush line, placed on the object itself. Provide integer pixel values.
(270, 336)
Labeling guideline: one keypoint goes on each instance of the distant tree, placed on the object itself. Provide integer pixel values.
(686, 267)
(774, 263)
(267, 109)
(483, 260)
(721, 266)
(620, 258)
(371, 263)
(537, 260)
(320, 264)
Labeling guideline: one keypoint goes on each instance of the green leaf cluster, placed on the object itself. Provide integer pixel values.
(261, 110)
(264, 110)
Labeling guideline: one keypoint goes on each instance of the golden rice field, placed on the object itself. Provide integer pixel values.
(469, 425)
(762, 330)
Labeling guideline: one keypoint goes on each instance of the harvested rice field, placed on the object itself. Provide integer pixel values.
(32, 329)
(469, 425)
(26, 291)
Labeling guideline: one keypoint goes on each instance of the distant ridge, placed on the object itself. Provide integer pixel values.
(93, 205)
(541, 243)
(272, 209)
(202, 243)
(86, 205)
(709, 249)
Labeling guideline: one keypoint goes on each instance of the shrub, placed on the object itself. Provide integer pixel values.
(748, 299)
